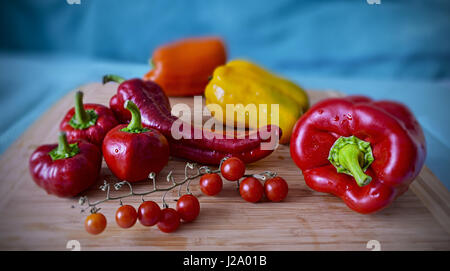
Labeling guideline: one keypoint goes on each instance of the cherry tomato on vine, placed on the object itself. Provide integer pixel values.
(251, 189)
(276, 189)
(95, 223)
(232, 169)
(149, 213)
(211, 184)
(126, 216)
(188, 207)
(169, 220)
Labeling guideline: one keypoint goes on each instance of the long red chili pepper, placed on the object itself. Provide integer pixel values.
(210, 149)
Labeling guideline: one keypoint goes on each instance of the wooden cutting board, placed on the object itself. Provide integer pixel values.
(306, 220)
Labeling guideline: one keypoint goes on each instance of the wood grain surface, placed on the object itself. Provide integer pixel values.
(306, 220)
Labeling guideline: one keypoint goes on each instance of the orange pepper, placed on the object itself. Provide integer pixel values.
(183, 68)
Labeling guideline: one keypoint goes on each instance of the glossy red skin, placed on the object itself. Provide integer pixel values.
(126, 216)
(95, 133)
(169, 220)
(211, 184)
(232, 169)
(156, 113)
(276, 189)
(149, 213)
(133, 156)
(95, 223)
(396, 138)
(188, 207)
(251, 189)
(66, 177)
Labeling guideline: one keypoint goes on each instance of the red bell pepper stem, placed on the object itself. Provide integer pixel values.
(112, 78)
(63, 145)
(80, 114)
(64, 149)
(135, 125)
(351, 158)
(82, 118)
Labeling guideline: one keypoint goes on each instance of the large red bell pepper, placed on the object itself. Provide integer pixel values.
(156, 113)
(363, 151)
(66, 169)
(90, 122)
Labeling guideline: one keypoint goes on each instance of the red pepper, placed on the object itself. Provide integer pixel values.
(66, 169)
(156, 113)
(363, 151)
(90, 122)
(132, 152)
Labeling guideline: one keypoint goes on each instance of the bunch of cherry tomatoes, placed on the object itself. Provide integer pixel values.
(188, 207)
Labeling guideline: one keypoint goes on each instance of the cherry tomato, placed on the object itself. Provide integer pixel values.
(276, 189)
(188, 207)
(232, 169)
(95, 223)
(211, 184)
(169, 220)
(149, 213)
(251, 189)
(126, 216)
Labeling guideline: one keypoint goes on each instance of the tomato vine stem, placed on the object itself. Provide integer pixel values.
(188, 178)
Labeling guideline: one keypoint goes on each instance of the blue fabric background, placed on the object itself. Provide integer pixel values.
(398, 50)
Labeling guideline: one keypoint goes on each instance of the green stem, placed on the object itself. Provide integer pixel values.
(112, 78)
(63, 145)
(135, 125)
(64, 149)
(80, 114)
(351, 158)
(82, 118)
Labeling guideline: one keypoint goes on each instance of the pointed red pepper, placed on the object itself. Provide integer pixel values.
(90, 122)
(156, 113)
(132, 152)
(65, 169)
(363, 151)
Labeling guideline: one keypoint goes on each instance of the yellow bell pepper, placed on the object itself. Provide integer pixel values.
(243, 83)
